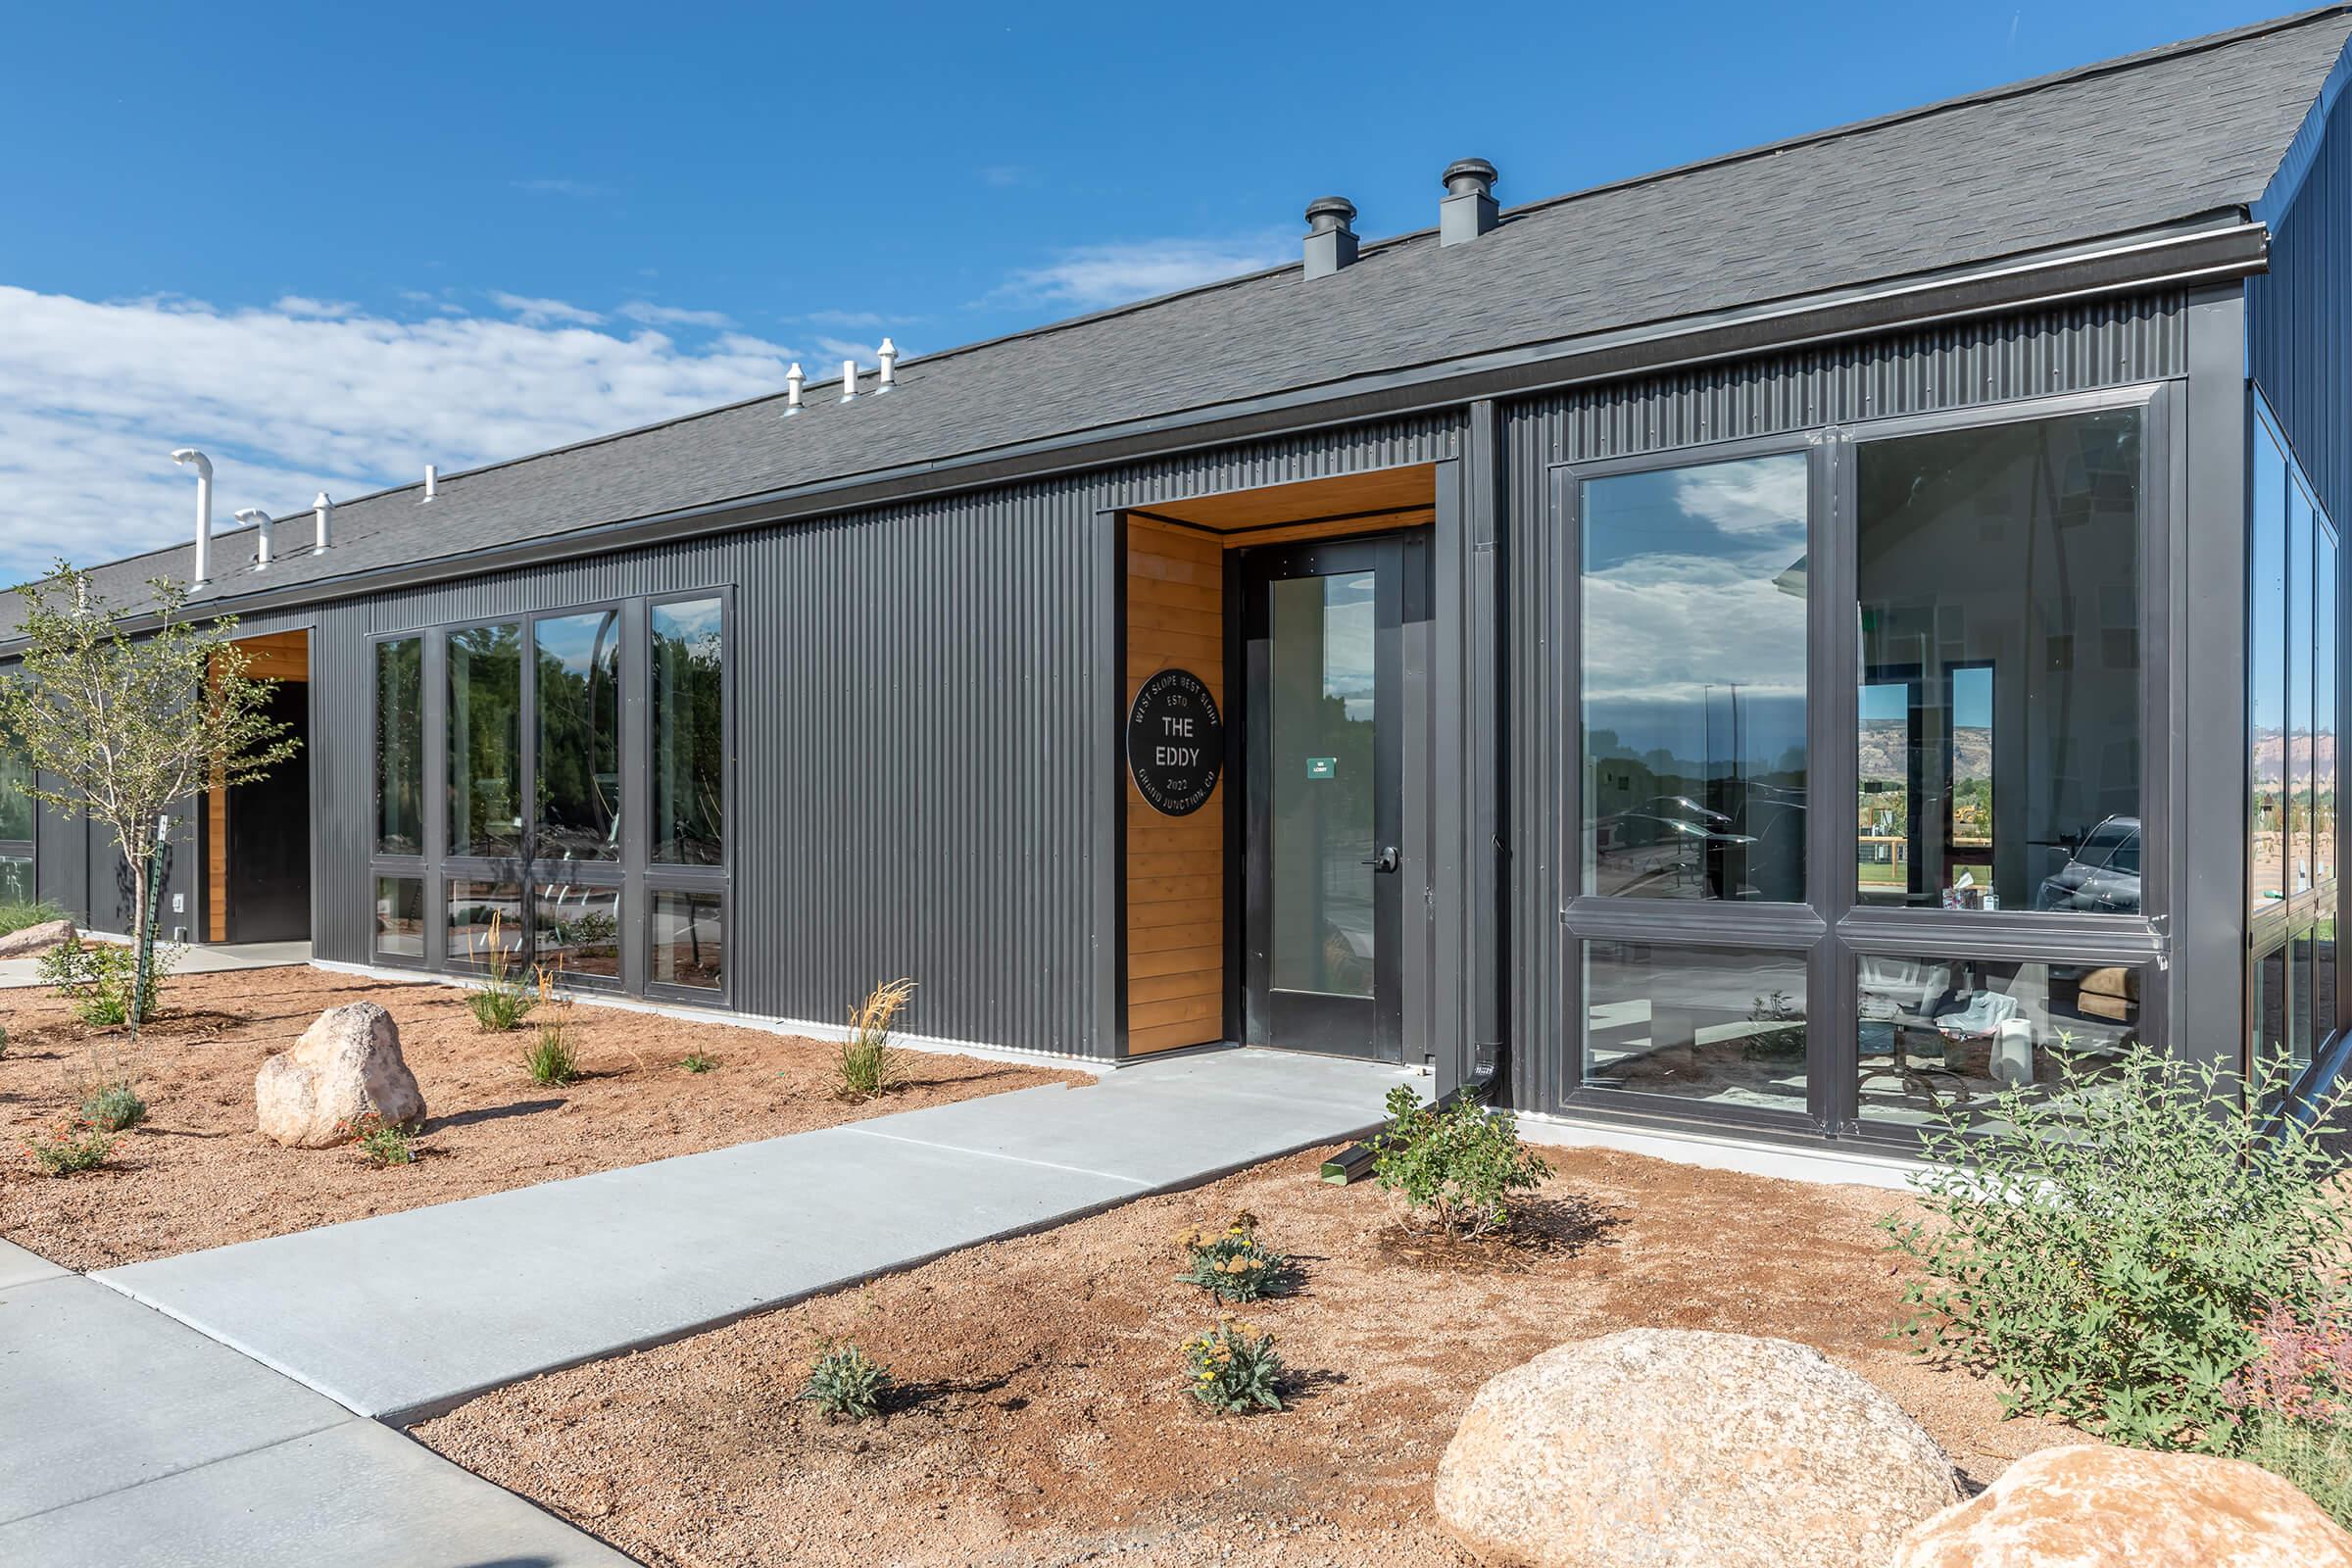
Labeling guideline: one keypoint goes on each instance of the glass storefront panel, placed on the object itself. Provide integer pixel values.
(484, 917)
(2302, 642)
(400, 916)
(1322, 702)
(1944, 1034)
(1999, 747)
(1721, 1024)
(1693, 679)
(576, 930)
(2266, 670)
(579, 721)
(400, 746)
(687, 715)
(485, 740)
(689, 940)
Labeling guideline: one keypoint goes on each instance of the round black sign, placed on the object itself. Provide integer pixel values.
(1175, 743)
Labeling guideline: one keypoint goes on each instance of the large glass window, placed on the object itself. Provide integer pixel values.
(485, 740)
(1693, 634)
(484, 917)
(1943, 1035)
(686, 714)
(576, 930)
(16, 817)
(2266, 664)
(689, 940)
(578, 724)
(1719, 1025)
(400, 746)
(1997, 571)
(2301, 666)
(400, 917)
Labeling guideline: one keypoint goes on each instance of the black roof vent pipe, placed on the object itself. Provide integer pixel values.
(1330, 242)
(1468, 208)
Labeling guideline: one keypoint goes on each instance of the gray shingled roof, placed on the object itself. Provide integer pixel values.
(2178, 133)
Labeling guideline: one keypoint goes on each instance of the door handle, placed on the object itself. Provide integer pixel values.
(1388, 860)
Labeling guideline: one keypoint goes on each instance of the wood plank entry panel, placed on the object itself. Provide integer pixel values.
(1175, 864)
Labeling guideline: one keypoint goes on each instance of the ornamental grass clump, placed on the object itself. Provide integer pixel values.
(2110, 1246)
(504, 998)
(1234, 1368)
(868, 1065)
(1232, 1263)
(549, 1058)
(847, 1384)
(2291, 1406)
(68, 1146)
(1456, 1167)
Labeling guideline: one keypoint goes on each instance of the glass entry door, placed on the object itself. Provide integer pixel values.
(1320, 837)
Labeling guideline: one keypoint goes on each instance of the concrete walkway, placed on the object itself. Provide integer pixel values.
(406, 1315)
(133, 1441)
(219, 958)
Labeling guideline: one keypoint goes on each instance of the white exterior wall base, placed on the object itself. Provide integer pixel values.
(1829, 1164)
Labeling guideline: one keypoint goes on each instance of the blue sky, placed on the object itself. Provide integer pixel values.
(330, 244)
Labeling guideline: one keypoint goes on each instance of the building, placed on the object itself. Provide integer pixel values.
(1762, 650)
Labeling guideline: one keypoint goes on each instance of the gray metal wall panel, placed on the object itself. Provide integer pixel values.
(2298, 330)
(926, 735)
(2000, 360)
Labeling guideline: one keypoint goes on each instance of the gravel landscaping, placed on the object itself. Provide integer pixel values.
(195, 1174)
(1042, 1416)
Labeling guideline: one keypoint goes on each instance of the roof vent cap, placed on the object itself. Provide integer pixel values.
(432, 481)
(323, 513)
(888, 353)
(1330, 242)
(849, 380)
(259, 521)
(1468, 208)
(794, 379)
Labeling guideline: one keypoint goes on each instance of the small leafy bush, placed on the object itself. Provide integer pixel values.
(2, 1042)
(1232, 1263)
(1234, 1368)
(69, 1145)
(847, 1384)
(696, 1061)
(379, 1141)
(97, 978)
(504, 998)
(2110, 1251)
(869, 1066)
(1456, 1168)
(113, 1106)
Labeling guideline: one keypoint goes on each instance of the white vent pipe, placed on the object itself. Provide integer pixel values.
(794, 379)
(323, 513)
(259, 520)
(432, 481)
(889, 355)
(849, 379)
(203, 466)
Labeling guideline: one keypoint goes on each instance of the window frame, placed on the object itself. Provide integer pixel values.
(664, 877)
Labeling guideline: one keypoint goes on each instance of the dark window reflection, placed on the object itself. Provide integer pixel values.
(689, 940)
(688, 733)
(400, 746)
(1999, 745)
(579, 736)
(485, 740)
(576, 930)
(400, 916)
(1943, 1035)
(1695, 682)
(1719, 1025)
(484, 919)
(2266, 670)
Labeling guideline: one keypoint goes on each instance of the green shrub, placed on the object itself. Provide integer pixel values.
(379, 1141)
(1234, 1368)
(1457, 1166)
(97, 978)
(847, 1384)
(2107, 1250)
(550, 1059)
(1232, 1263)
(16, 916)
(72, 1145)
(2, 1042)
(868, 1067)
(696, 1061)
(113, 1106)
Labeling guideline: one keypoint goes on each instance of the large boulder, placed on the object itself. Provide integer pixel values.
(32, 939)
(345, 1065)
(1668, 1446)
(2095, 1507)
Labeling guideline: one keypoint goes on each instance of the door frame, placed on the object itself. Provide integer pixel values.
(1400, 557)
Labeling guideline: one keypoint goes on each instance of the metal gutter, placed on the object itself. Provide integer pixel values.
(2231, 248)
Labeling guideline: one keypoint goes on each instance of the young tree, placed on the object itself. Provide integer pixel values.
(125, 728)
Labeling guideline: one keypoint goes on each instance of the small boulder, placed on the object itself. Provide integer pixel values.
(345, 1065)
(1657, 1447)
(32, 939)
(2095, 1507)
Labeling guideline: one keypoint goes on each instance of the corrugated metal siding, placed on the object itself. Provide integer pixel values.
(2106, 344)
(2298, 328)
(927, 737)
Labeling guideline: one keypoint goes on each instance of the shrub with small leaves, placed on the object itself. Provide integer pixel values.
(2108, 1244)
(1234, 1368)
(380, 1142)
(97, 978)
(113, 1106)
(69, 1145)
(847, 1384)
(696, 1061)
(1232, 1263)
(1456, 1167)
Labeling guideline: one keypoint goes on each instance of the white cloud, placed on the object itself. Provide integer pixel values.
(671, 315)
(1096, 276)
(95, 394)
(540, 313)
(301, 305)
(1766, 496)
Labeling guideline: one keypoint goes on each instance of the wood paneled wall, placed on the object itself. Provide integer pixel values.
(279, 656)
(1175, 864)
